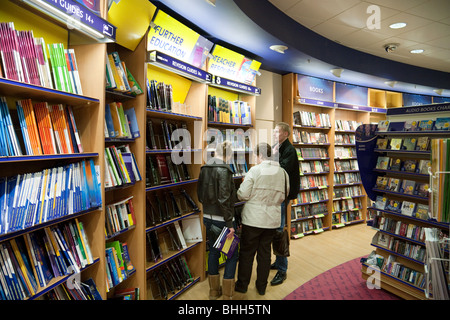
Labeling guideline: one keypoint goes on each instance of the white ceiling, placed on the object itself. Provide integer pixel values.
(345, 21)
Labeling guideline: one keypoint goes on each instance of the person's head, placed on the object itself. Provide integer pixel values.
(281, 132)
(263, 152)
(224, 150)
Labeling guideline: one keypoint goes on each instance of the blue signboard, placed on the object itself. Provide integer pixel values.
(234, 85)
(314, 88)
(411, 100)
(350, 94)
(82, 15)
(440, 107)
(179, 65)
(441, 99)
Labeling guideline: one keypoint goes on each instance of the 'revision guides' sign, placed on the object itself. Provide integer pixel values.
(173, 38)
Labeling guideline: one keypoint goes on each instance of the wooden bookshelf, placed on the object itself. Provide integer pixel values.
(88, 111)
(336, 112)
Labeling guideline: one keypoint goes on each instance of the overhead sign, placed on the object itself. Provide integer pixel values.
(229, 64)
(351, 94)
(81, 14)
(314, 88)
(412, 100)
(170, 36)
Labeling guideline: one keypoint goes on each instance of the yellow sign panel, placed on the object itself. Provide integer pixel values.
(232, 65)
(169, 36)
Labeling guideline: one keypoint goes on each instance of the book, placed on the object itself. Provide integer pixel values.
(395, 164)
(395, 143)
(408, 208)
(380, 202)
(423, 143)
(382, 143)
(394, 205)
(382, 162)
(422, 211)
(394, 184)
(408, 187)
(422, 189)
(409, 144)
(131, 117)
(225, 245)
(383, 125)
(442, 124)
(426, 125)
(411, 125)
(423, 166)
(382, 182)
(409, 165)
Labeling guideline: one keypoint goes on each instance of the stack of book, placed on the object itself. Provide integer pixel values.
(120, 122)
(168, 135)
(344, 125)
(119, 266)
(30, 262)
(24, 58)
(79, 290)
(168, 205)
(120, 215)
(45, 129)
(120, 166)
(32, 198)
(170, 277)
(227, 111)
(159, 96)
(162, 170)
(312, 119)
(118, 77)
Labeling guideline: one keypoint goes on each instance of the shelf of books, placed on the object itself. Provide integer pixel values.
(51, 149)
(124, 174)
(402, 206)
(175, 249)
(323, 133)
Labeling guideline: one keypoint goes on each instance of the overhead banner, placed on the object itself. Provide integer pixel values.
(351, 94)
(231, 65)
(173, 38)
(413, 100)
(314, 88)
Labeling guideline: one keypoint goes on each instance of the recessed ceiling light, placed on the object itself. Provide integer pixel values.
(278, 48)
(397, 25)
(417, 51)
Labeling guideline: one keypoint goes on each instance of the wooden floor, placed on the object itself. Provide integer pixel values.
(310, 256)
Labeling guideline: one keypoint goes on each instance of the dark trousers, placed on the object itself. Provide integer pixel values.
(254, 241)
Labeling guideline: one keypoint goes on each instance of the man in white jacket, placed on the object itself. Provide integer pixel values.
(264, 189)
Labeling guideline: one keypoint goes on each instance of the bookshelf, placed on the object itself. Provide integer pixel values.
(128, 197)
(185, 112)
(332, 195)
(88, 112)
(401, 203)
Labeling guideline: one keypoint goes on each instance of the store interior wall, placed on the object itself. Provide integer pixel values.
(268, 109)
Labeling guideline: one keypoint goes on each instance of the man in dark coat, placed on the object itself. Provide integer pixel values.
(287, 156)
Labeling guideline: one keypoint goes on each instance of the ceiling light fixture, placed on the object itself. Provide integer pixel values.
(417, 51)
(397, 25)
(279, 48)
(391, 83)
(211, 2)
(337, 72)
